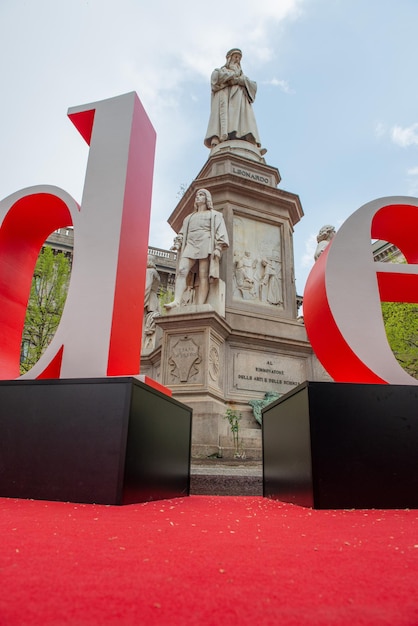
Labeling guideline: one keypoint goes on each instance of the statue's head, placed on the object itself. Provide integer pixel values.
(234, 55)
(324, 237)
(326, 233)
(208, 196)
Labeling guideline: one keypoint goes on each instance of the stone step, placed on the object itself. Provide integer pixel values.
(226, 453)
(226, 479)
(247, 441)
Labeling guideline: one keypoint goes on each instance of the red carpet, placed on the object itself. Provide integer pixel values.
(206, 560)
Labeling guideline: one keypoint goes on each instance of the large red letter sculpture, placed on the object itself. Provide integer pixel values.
(342, 299)
(101, 326)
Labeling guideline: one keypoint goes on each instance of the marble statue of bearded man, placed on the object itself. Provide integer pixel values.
(232, 115)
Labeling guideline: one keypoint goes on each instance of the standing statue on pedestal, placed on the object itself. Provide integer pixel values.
(151, 304)
(200, 241)
(232, 116)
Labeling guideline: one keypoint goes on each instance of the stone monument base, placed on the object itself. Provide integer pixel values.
(241, 148)
(250, 343)
(215, 302)
(195, 365)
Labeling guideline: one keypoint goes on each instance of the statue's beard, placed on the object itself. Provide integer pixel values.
(235, 66)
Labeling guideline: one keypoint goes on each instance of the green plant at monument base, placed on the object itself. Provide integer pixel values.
(401, 325)
(234, 419)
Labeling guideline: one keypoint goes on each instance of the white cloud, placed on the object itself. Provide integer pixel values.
(413, 171)
(249, 28)
(405, 137)
(271, 9)
(283, 84)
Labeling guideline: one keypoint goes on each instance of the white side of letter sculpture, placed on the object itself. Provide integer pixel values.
(101, 326)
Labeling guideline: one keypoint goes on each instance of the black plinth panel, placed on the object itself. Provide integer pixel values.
(102, 440)
(343, 445)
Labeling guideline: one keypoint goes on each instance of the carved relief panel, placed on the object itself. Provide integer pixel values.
(257, 271)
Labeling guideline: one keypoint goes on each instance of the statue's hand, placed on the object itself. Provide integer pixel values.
(217, 253)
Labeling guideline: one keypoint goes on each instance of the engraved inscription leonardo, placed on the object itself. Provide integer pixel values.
(238, 171)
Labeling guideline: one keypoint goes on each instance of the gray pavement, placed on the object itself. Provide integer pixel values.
(223, 477)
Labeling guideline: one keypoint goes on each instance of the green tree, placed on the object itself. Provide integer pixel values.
(46, 302)
(401, 325)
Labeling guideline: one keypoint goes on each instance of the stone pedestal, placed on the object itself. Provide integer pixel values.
(258, 267)
(215, 360)
(193, 365)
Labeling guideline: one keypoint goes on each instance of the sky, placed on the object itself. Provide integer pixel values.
(336, 105)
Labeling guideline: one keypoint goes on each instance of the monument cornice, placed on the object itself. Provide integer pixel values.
(257, 341)
(229, 188)
(195, 321)
(229, 161)
(276, 328)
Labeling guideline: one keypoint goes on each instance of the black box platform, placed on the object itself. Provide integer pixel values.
(343, 445)
(102, 440)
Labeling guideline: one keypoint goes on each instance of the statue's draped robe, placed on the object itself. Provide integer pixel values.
(202, 233)
(232, 116)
